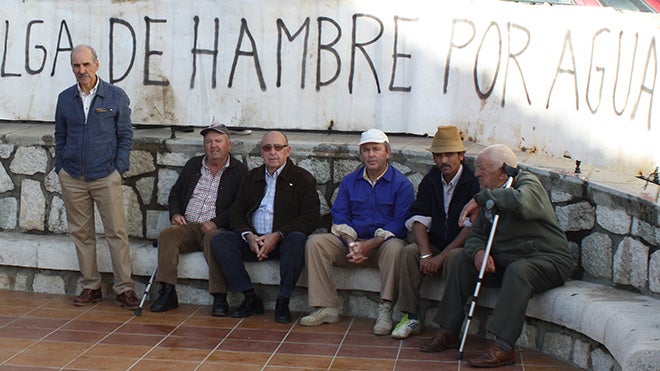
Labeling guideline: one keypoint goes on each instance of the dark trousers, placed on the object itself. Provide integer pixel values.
(230, 251)
(518, 280)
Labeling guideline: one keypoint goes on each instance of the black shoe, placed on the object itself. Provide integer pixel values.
(282, 312)
(250, 305)
(167, 299)
(220, 306)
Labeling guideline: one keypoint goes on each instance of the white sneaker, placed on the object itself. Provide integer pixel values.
(383, 324)
(406, 327)
(321, 316)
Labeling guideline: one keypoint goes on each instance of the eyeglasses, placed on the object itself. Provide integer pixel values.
(269, 147)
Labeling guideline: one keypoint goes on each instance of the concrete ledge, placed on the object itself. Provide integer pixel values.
(627, 324)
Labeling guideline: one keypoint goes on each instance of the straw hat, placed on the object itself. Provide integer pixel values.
(447, 140)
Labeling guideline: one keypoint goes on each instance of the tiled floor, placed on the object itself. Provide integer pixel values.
(44, 331)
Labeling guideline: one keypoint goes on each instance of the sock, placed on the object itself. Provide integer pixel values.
(500, 343)
(412, 316)
(283, 300)
(220, 296)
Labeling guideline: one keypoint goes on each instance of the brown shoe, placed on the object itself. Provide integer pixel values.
(441, 340)
(88, 297)
(128, 300)
(494, 356)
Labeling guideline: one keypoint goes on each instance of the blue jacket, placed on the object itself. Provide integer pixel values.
(103, 145)
(366, 208)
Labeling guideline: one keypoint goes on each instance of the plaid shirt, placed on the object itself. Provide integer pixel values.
(201, 207)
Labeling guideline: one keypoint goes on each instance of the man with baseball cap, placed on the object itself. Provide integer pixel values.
(199, 205)
(433, 222)
(368, 230)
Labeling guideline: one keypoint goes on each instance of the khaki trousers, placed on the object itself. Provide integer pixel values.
(323, 251)
(79, 197)
(180, 239)
(411, 276)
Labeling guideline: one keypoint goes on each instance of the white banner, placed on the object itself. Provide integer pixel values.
(561, 80)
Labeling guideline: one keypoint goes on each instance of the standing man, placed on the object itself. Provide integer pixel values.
(199, 205)
(529, 255)
(433, 221)
(93, 141)
(276, 209)
(368, 230)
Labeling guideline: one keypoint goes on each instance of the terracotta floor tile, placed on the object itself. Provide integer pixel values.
(48, 354)
(308, 349)
(24, 333)
(264, 322)
(145, 329)
(128, 339)
(201, 332)
(118, 350)
(36, 322)
(297, 360)
(534, 358)
(239, 357)
(372, 340)
(358, 351)
(157, 319)
(266, 335)
(97, 326)
(411, 365)
(213, 366)
(87, 362)
(6, 319)
(373, 364)
(14, 310)
(45, 312)
(249, 345)
(76, 336)
(163, 365)
(9, 343)
(190, 342)
(314, 338)
(208, 321)
(97, 315)
(195, 355)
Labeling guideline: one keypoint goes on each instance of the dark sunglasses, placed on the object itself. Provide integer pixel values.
(278, 147)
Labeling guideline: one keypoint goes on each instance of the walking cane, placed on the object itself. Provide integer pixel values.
(138, 310)
(511, 172)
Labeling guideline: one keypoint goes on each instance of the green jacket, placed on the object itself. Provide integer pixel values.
(527, 225)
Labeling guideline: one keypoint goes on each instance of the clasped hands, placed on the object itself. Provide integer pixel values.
(264, 244)
(358, 251)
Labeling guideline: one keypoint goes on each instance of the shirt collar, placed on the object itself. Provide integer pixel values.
(453, 180)
(366, 177)
(91, 92)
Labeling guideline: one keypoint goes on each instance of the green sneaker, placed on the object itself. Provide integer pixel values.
(406, 327)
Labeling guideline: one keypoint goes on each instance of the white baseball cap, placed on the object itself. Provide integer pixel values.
(373, 136)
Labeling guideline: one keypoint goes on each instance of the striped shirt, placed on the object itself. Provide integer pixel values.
(201, 207)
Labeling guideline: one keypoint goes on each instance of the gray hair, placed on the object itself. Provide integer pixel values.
(95, 56)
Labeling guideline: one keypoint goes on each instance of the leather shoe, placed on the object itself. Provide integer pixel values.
(167, 298)
(282, 312)
(88, 297)
(441, 340)
(220, 306)
(128, 300)
(494, 356)
(250, 305)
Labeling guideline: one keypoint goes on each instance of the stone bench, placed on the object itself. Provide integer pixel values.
(625, 323)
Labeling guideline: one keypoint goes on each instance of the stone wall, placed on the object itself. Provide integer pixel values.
(612, 220)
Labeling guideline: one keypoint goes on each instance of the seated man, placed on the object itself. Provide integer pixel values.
(529, 255)
(433, 221)
(199, 208)
(276, 209)
(368, 230)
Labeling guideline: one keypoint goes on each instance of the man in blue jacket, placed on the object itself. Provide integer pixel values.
(368, 230)
(93, 141)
